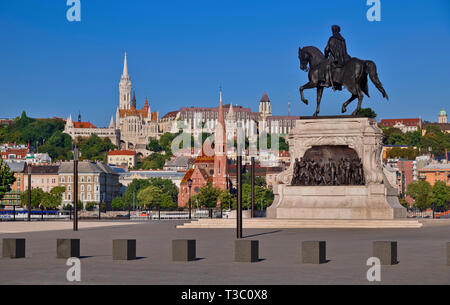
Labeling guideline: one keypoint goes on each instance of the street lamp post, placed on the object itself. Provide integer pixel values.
(29, 193)
(239, 197)
(75, 188)
(253, 187)
(190, 186)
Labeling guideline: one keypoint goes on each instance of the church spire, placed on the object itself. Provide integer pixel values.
(220, 149)
(125, 87)
(125, 66)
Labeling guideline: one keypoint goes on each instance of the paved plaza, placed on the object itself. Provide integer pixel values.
(421, 255)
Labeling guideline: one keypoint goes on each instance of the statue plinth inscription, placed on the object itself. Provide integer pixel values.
(335, 173)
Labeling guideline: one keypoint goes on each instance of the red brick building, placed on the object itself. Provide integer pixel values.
(207, 169)
(407, 173)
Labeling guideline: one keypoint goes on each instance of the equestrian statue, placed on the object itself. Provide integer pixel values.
(336, 69)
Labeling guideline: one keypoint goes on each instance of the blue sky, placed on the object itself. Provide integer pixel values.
(180, 52)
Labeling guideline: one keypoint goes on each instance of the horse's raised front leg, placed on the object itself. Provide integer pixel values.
(306, 86)
(344, 107)
(319, 99)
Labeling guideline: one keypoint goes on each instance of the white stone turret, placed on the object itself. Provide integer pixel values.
(111, 123)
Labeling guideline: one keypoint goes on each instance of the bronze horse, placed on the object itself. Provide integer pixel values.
(353, 76)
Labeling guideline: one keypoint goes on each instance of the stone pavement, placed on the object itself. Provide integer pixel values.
(36, 226)
(421, 254)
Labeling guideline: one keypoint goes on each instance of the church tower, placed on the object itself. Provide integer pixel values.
(442, 116)
(125, 87)
(220, 150)
(265, 108)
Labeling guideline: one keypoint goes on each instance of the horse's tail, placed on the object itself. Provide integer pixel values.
(371, 69)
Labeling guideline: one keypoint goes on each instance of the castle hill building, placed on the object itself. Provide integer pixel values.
(405, 125)
(136, 126)
(86, 129)
(97, 182)
(205, 119)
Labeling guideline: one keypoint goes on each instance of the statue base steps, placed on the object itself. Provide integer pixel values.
(265, 223)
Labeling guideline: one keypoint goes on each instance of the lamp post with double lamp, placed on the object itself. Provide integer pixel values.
(29, 193)
(190, 186)
(239, 197)
(253, 187)
(75, 188)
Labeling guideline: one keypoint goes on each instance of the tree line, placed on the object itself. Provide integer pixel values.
(434, 141)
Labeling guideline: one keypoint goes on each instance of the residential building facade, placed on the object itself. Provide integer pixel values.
(97, 182)
(123, 158)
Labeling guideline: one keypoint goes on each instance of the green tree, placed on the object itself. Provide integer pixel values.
(166, 186)
(53, 199)
(58, 146)
(94, 148)
(152, 197)
(208, 196)
(413, 138)
(421, 192)
(367, 113)
(37, 196)
(263, 197)
(90, 206)
(118, 204)
(154, 146)
(247, 179)
(6, 178)
(154, 161)
(391, 135)
(435, 139)
(129, 198)
(440, 195)
(225, 199)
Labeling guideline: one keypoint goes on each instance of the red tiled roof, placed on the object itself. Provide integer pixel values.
(170, 114)
(83, 125)
(121, 153)
(406, 122)
(187, 176)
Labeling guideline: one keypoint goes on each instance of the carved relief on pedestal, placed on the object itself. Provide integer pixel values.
(359, 134)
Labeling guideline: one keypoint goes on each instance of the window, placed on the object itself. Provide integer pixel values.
(82, 188)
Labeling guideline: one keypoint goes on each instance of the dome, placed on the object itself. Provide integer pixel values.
(443, 112)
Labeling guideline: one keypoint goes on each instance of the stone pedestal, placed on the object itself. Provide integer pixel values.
(183, 250)
(386, 251)
(124, 249)
(66, 248)
(13, 248)
(376, 199)
(246, 251)
(314, 252)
